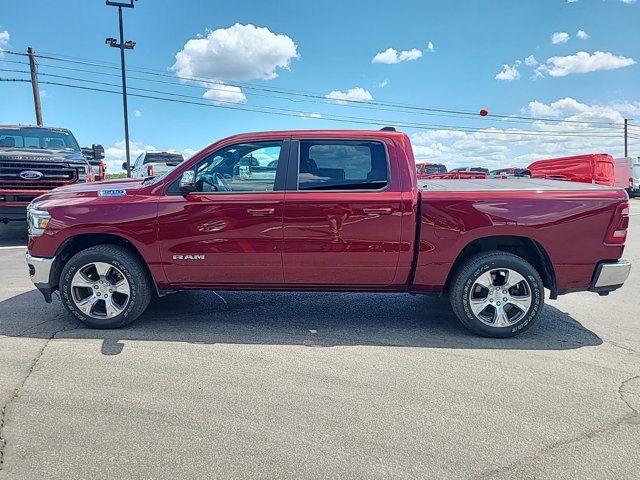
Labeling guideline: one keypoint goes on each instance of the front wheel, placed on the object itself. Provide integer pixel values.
(497, 294)
(105, 286)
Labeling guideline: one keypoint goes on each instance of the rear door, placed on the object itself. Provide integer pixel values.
(342, 213)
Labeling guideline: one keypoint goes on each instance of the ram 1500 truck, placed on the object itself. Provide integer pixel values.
(329, 211)
(35, 160)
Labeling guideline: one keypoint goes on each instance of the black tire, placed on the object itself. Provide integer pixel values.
(131, 267)
(472, 269)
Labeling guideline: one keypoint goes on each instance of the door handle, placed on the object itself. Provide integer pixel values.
(261, 212)
(377, 211)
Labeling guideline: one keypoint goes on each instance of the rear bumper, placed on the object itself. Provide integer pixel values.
(40, 273)
(610, 276)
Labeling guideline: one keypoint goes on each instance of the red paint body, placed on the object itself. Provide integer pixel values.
(315, 240)
(454, 176)
(595, 168)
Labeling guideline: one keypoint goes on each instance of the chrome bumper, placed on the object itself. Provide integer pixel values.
(39, 269)
(610, 276)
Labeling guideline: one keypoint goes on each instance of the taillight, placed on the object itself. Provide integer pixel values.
(617, 231)
(149, 170)
(630, 182)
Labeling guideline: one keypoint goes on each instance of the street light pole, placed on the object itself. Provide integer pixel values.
(123, 45)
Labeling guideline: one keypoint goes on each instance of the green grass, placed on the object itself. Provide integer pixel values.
(111, 176)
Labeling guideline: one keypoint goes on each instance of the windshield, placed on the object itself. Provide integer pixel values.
(163, 157)
(431, 169)
(28, 137)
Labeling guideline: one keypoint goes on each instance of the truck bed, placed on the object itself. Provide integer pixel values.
(506, 184)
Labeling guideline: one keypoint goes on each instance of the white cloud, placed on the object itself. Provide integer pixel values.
(508, 73)
(531, 61)
(572, 1)
(115, 155)
(392, 56)
(357, 94)
(431, 47)
(240, 52)
(582, 35)
(571, 109)
(137, 113)
(4, 39)
(383, 83)
(506, 147)
(583, 62)
(221, 93)
(307, 116)
(560, 37)
(628, 2)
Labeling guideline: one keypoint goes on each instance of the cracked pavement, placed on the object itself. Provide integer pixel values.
(281, 385)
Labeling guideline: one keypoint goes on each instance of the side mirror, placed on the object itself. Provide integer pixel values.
(188, 181)
(124, 165)
(98, 151)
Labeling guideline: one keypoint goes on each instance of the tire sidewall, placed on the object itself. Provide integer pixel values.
(80, 261)
(537, 294)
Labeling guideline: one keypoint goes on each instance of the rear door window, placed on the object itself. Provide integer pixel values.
(342, 165)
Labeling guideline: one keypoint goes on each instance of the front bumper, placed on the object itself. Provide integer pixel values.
(40, 272)
(13, 212)
(610, 276)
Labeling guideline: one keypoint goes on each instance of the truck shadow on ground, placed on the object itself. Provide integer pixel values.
(306, 319)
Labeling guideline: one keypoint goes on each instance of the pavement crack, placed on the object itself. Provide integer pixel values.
(629, 393)
(16, 391)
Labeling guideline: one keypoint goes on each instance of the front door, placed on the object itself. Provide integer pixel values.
(228, 231)
(342, 221)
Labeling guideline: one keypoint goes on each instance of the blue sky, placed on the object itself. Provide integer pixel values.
(462, 55)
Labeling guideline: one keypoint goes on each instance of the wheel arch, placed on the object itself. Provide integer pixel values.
(524, 247)
(82, 241)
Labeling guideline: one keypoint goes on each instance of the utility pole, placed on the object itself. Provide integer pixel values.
(626, 140)
(122, 45)
(34, 85)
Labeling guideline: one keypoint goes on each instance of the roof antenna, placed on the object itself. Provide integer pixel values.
(388, 129)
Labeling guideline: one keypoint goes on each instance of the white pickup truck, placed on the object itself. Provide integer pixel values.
(151, 164)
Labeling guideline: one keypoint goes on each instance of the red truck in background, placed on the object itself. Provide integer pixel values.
(425, 169)
(595, 168)
(35, 160)
(334, 211)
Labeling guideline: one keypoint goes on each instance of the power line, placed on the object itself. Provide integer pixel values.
(346, 119)
(307, 95)
(271, 96)
(297, 112)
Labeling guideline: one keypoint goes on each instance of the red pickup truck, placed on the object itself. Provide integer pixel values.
(326, 211)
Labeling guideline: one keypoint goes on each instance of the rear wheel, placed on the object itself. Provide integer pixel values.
(105, 286)
(497, 294)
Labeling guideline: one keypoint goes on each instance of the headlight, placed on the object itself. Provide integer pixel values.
(37, 221)
(83, 173)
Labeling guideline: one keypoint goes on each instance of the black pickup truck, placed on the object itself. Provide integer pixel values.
(35, 160)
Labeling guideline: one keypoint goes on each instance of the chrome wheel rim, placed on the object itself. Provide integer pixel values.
(500, 297)
(100, 290)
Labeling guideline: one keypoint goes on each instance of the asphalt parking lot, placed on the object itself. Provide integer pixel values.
(281, 385)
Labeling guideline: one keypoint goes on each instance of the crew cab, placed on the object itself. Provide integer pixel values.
(326, 211)
(149, 164)
(35, 160)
